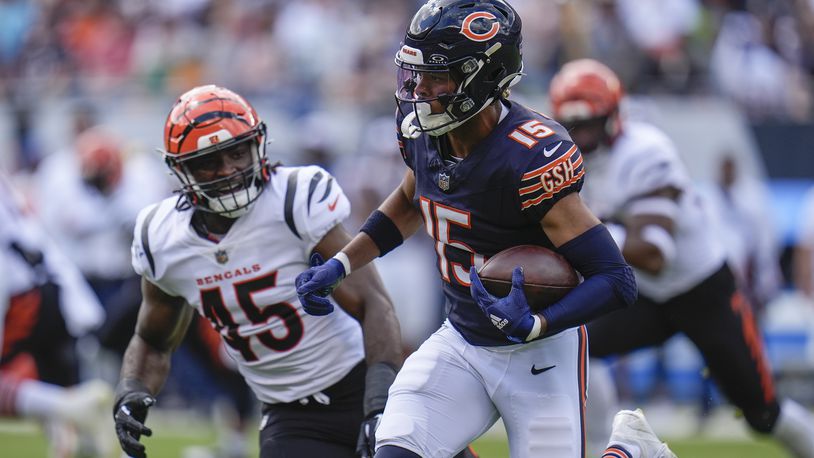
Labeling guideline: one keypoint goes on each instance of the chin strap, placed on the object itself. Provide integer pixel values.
(408, 129)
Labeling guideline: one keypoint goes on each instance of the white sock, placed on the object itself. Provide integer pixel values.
(38, 399)
(603, 403)
(795, 429)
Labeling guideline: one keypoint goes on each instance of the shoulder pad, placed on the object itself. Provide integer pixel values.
(313, 203)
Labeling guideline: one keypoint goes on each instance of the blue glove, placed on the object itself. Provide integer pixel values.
(510, 314)
(317, 283)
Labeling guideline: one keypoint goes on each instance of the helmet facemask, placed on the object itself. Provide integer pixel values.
(590, 133)
(477, 43)
(432, 111)
(232, 195)
(462, 101)
(585, 97)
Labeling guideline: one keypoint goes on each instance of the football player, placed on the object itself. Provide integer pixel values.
(638, 184)
(45, 305)
(484, 174)
(229, 248)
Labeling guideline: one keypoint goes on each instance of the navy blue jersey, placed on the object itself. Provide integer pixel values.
(492, 200)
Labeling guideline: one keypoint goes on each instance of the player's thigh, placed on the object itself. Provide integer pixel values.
(300, 428)
(53, 347)
(719, 321)
(541, 396)
(437, 404)
(294, 432)
(643, 324)
(299, 447)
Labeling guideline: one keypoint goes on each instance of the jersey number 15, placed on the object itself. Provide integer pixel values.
(438, 220)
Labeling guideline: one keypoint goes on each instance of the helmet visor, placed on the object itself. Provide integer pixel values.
(425, 86)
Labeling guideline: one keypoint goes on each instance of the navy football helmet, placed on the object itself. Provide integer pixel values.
(474, 46)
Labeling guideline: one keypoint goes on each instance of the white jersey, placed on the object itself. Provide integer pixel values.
(18, 231)
(94, 229)
(244, 284)
(641, 161)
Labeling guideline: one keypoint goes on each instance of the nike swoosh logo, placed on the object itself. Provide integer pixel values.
(332, 206)
(535, 371)
(548, 152)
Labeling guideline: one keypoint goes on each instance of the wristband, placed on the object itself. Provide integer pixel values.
(344, 260)
(535, 330)
(383, 231)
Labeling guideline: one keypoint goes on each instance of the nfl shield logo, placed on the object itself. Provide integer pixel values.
(443, 181)
(221, 257)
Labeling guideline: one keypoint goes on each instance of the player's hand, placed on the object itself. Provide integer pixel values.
(130, 413)
(366, 444)
(317, 283)
(510, 314)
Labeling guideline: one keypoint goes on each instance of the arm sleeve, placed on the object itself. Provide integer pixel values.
(609, 281)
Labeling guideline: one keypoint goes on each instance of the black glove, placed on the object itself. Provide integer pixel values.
(366, 444)
(130, 413)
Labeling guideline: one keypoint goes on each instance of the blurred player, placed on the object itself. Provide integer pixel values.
(230, 247)
(44, 306)
(484, 174)
(89, 196)
(638, 181)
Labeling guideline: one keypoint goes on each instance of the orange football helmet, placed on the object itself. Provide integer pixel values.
(584, 89)
(204, 123)
(100, 158)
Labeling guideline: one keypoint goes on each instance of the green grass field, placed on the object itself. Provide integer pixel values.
(25, 440)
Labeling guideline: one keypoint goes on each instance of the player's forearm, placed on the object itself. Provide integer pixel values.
(146, 363)
(382, 337)
(364, 297)
(609, 282)
(803, 275)
(643, 255)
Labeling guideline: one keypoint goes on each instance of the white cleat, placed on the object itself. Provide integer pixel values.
(88, 408)
(631, 430)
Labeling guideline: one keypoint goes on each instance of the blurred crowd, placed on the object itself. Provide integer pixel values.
(314, 55)
(324, 71)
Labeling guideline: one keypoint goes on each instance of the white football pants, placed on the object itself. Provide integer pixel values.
(450, 392)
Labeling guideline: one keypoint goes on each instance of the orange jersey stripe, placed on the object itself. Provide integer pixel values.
(740, 305)
(583, 380)
(541, 170)
(21, 317)
(531, 202)
(614, 452)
